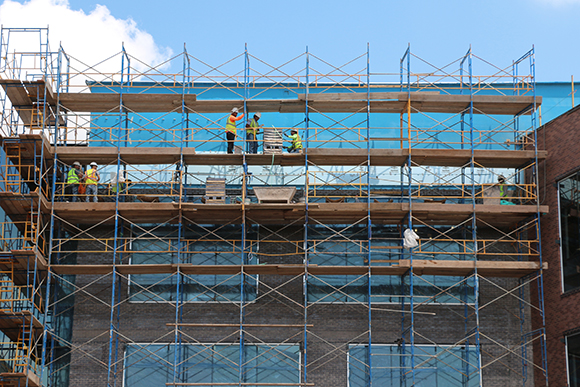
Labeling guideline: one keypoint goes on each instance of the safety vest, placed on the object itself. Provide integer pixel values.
(253, 129)
(296, 141)
(502, 191)
(92, 176)
(72, 177)
(231, 125)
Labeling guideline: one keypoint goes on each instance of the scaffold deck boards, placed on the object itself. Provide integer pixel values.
(318, 156)
(11, 323)
(514, 269)
(425, 102)
(381, 213)
(18, 379)
(327, 102)
(21, 264)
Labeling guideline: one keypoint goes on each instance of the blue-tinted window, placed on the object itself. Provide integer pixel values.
(434, 366)
(154, 364)
(198, 247)
(573, 348)
(348, 246)
(569, 190)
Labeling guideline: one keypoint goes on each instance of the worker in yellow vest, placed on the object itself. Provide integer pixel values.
(231, 128)
(74, 178)
(252, 130)
(296, 145)
(502, 187)
(93, 178)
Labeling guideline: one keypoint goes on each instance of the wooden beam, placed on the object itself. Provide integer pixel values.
(420, 267)
(237, 325)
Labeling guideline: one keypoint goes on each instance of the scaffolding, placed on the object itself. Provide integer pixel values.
(201, 268)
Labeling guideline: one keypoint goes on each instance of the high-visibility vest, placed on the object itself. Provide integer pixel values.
(296, 141)
(502, 191)
(253, 129)
(231, 125)
(72, 177)
(92, 176)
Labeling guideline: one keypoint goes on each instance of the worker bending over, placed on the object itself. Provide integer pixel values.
(296, 145)
(231, 128)
(252, 130)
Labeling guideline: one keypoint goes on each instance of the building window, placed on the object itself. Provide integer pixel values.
(336, 247)
(573, 349)
(161, 245)
(450, 366)
(148, 365)
(569, 200)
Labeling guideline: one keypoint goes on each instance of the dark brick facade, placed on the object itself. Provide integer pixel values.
(561, 138)
(335, 326)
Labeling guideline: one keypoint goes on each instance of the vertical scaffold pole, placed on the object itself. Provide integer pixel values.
(474, 215)
(178, 350)
(410, 217)
(369, 223)
(51, 229)
(113, 335)
(540, 280)
(243, 238)
(305, 243)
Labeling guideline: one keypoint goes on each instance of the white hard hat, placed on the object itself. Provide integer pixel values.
(235, 110)
(259, 115)
(93, 164)
(77, 163)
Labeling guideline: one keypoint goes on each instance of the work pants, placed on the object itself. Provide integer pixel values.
(92, 191)
(230, 138)
(252, 143)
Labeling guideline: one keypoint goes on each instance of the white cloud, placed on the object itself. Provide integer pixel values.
(90, 37)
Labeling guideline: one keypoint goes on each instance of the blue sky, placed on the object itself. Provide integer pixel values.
(337, 31)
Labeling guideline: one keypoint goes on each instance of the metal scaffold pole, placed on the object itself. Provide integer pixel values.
(369, 223)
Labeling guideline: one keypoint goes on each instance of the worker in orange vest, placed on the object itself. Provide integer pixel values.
(231, 128)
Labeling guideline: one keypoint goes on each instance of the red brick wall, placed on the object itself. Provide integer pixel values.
(561, 138)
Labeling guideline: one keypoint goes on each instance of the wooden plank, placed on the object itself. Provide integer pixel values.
(18, 379)
(318, 156)
(15, 90)
(466, 268)
(238, 325)
(420, 267)
(425, 102)
(381, 213)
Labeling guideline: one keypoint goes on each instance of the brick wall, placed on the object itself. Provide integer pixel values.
(335, 326)
(561, 138)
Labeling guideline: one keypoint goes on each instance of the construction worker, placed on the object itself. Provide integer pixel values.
(502, 186)
(231, 128)
(92, 178)
(74, 179)
(252, 130)
(296, 145)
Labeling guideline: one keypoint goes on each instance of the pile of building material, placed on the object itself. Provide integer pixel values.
(215, 191)
(273, 141)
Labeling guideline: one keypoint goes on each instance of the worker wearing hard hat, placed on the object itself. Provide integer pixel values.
(93, 178)
(74, 178)
(502, 187)
(296, 145)
(231, 128)
(252, 130)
